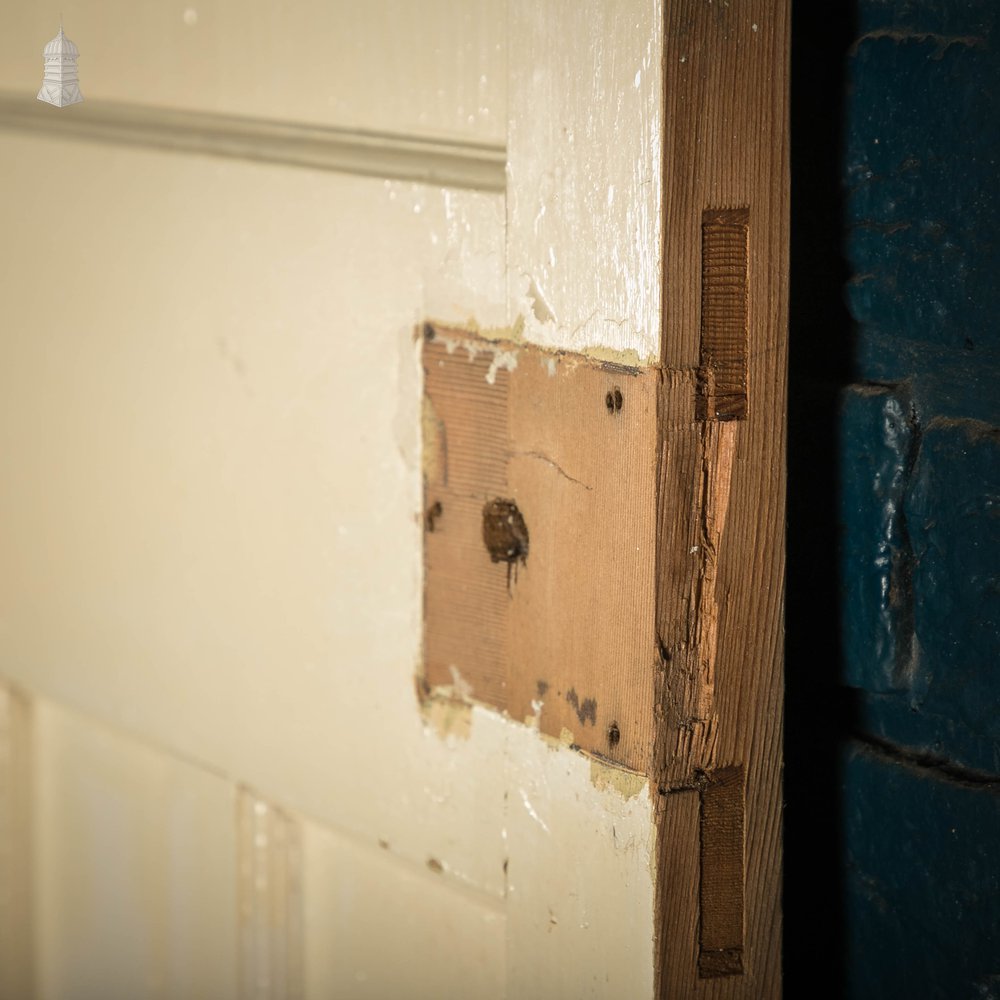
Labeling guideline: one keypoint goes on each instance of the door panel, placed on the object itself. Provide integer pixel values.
(211, 463)
(136, 867)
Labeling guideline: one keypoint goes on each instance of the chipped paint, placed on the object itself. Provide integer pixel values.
(434, 445)
(521, 332)
(501, 360)
(447, 717)
(628, 784)
(504, 352)
(449, 714)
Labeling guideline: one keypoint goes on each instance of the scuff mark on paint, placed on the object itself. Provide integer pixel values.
(531, 811)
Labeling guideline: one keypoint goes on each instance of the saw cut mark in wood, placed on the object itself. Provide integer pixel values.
(722, 878)
(722, 368)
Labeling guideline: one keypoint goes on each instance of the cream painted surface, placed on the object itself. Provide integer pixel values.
(269, 899)
(584, 192)
(580, 890)
(425, 67)
(209, 437)
(135, 868)
(210, 511)
(376, 927)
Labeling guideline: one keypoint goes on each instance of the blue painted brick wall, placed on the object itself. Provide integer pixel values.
(920, 501)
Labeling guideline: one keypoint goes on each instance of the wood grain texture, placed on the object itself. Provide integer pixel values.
(465, 593)
(565, 633)
(721, 514)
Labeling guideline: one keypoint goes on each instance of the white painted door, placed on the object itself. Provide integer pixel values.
(215, 777)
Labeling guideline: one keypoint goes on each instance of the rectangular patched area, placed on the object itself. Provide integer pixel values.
(539, 549)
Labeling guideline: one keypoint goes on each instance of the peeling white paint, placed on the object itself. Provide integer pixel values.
(584, 216)
(506, 360)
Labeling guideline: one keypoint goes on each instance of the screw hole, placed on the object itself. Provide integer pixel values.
(613, 400)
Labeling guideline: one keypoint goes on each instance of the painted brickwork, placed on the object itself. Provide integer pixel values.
(920, 501)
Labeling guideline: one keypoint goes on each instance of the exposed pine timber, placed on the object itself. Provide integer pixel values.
(539, 527)
(466, 592)
(721, 498)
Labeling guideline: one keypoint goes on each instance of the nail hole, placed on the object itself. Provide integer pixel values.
(614, 734)
(613, 400)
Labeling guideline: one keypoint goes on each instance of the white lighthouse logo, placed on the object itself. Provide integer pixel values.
(61, 85)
